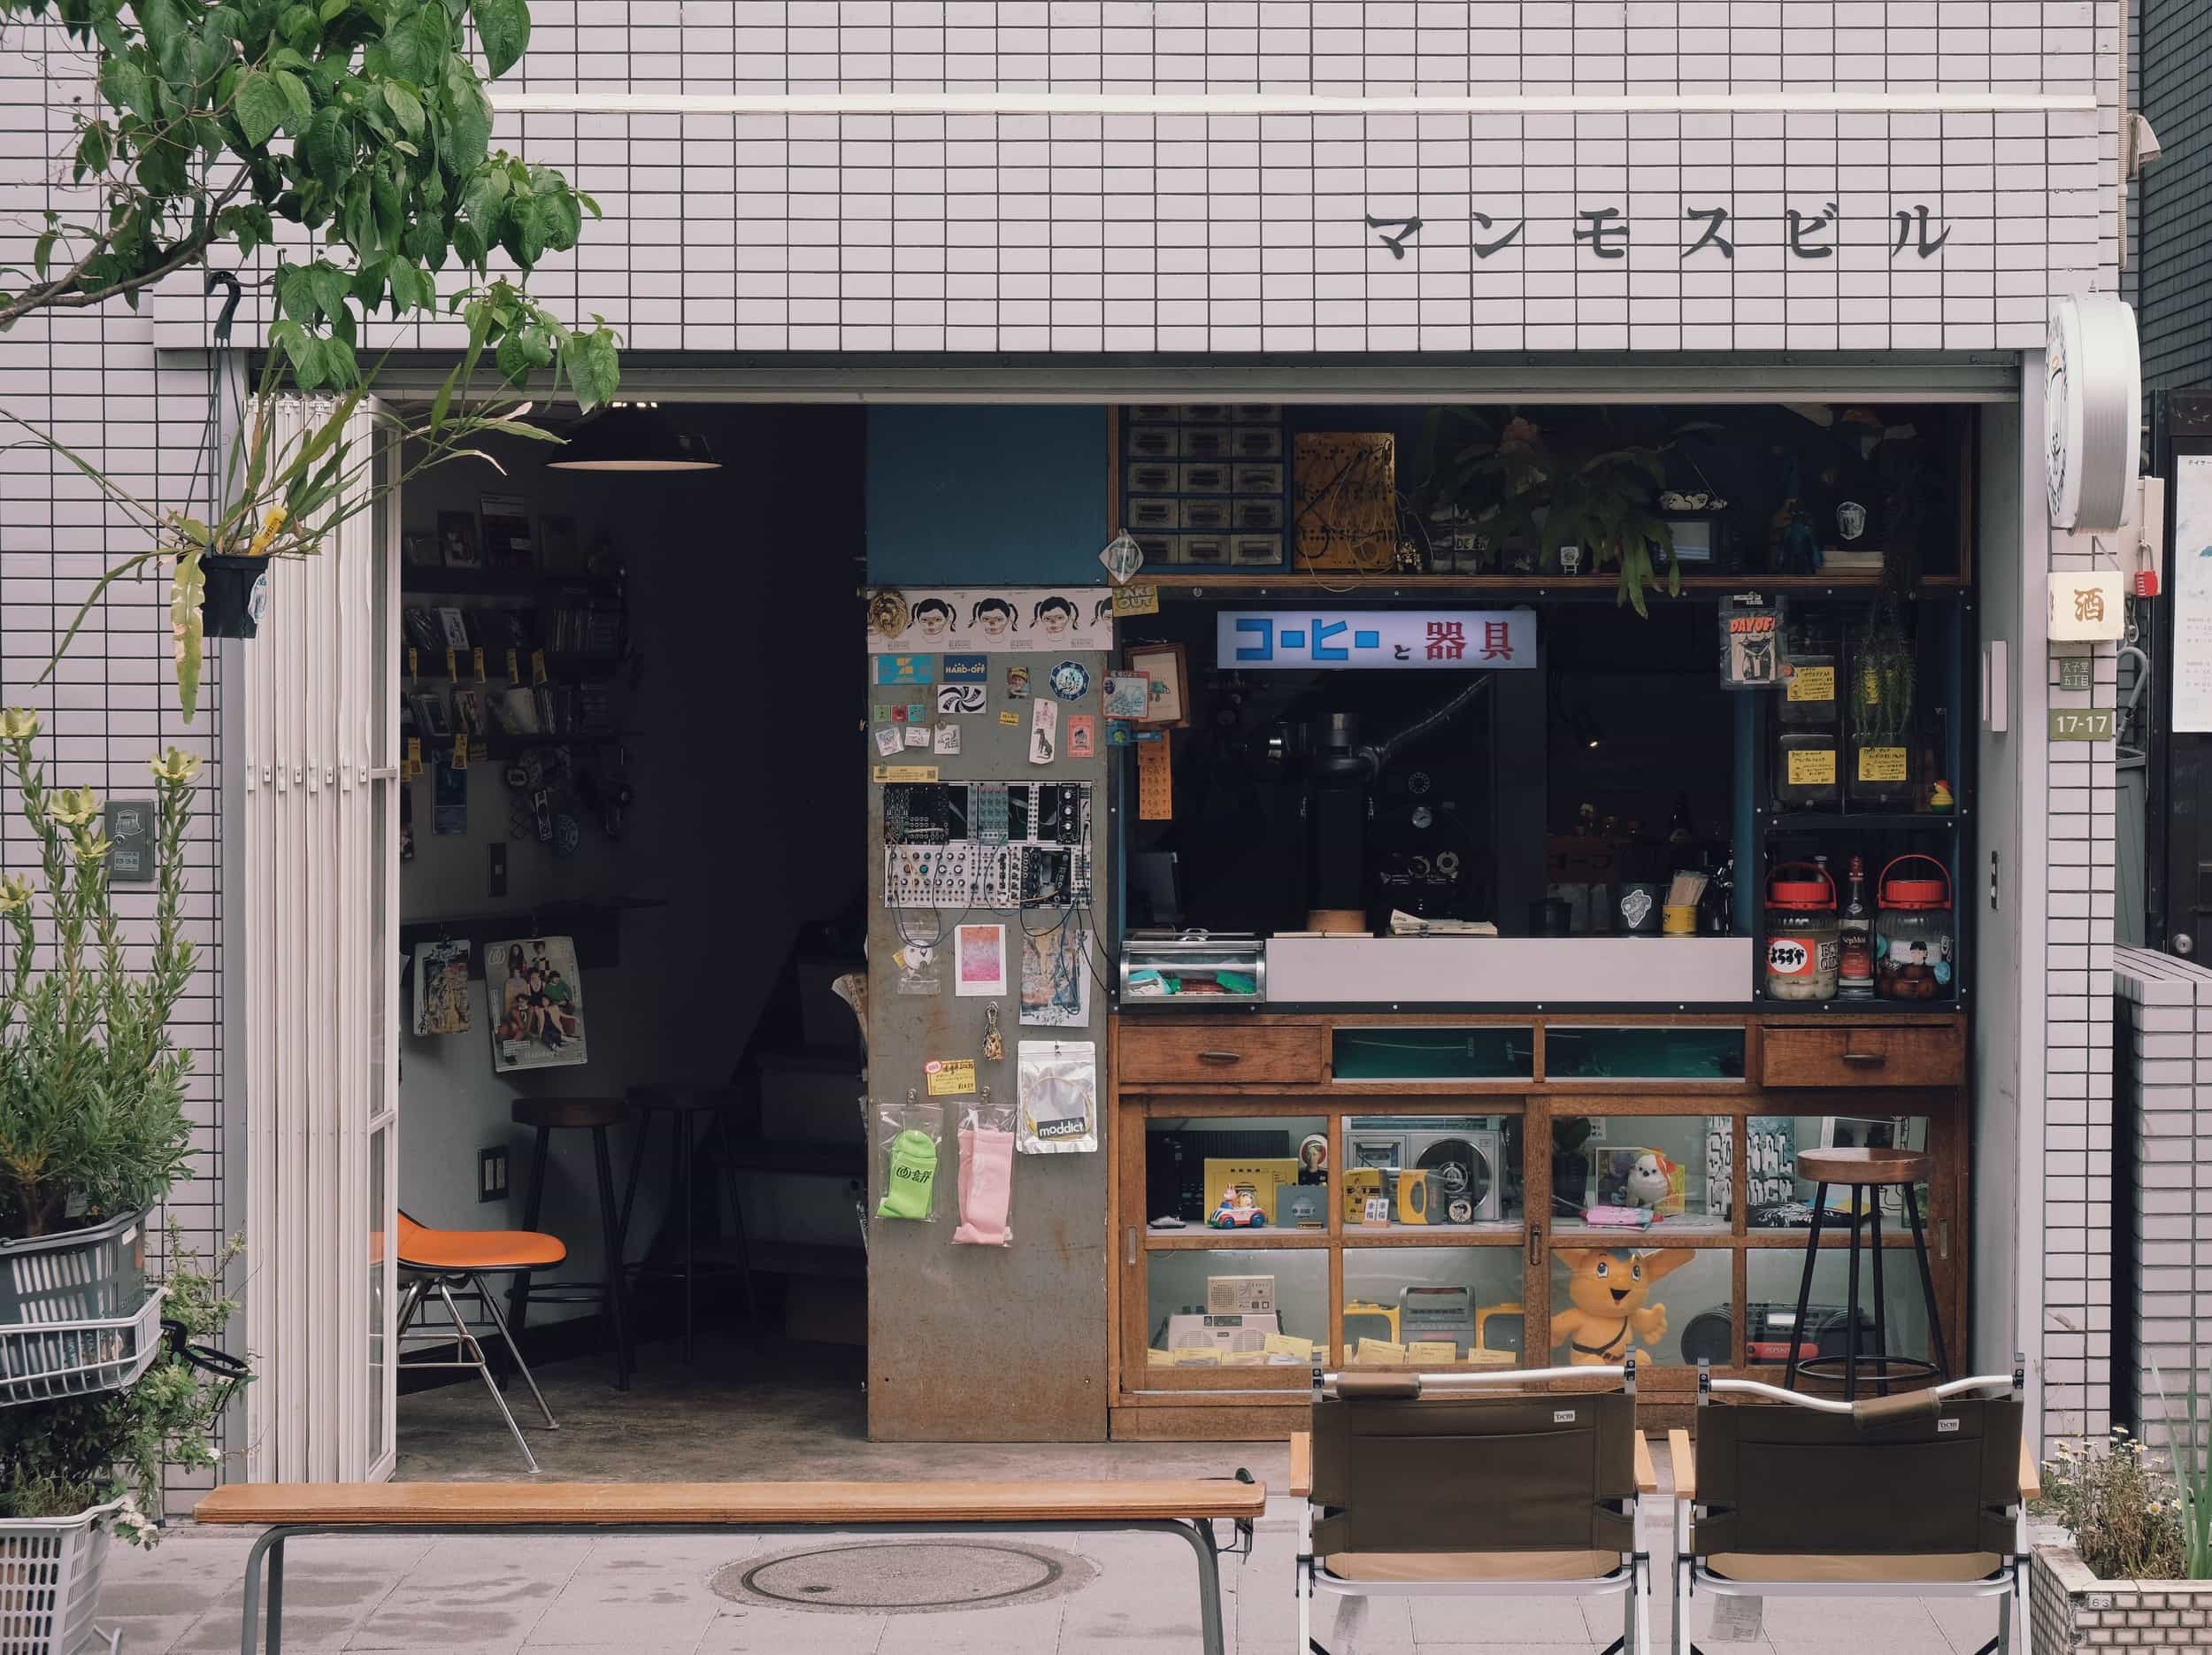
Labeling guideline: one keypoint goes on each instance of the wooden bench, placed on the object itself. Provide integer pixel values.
(1186, 1507)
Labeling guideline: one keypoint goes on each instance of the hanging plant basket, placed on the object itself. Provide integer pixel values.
(49, 1582)
(75, 1275)
(237, 594)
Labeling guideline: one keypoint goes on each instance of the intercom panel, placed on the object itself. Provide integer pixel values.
(987, 844)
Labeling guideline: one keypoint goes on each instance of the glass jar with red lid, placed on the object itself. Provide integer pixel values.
(1916, 938)
(1803, 934)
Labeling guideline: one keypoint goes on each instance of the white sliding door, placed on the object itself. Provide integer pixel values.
(320, 999)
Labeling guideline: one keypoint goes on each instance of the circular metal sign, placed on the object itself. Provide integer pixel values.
(2093, 395)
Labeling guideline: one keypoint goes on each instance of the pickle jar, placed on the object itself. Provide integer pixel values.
(1916, 938)
(1804, 936)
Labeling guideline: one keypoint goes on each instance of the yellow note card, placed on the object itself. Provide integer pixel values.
(1011, 719)
(1157, 1358)
(1881, 763)
(1812, 683)
(1812, 766)
(1195, 1357)
(1289, 1344)
(1432, 1352)
(1380, 1350)
(951, 1077)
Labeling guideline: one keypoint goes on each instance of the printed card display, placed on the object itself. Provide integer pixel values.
(979, 961)
(1083, 736)
(441, 986)
(999, 621)
(1055, 985)
(1044, 732)
(536, 1000)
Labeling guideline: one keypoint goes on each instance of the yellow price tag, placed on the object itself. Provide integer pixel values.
(537, 666)
(1881, 763)
(1011, 719)
(476, 661)
(951, 1077)
(452, 664)
(1813, 683)
(1813, 766)
(1426, 1351)
(414, 662)
(414, 753)
(461, 751)
(514, 668)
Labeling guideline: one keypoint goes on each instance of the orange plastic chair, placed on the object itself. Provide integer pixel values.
(436, 1262)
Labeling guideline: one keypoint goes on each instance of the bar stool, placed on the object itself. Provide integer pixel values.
(683, 1104)
(547, 1116)
(1860, 1171)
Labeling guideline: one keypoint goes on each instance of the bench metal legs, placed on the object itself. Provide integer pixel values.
(267, 1555)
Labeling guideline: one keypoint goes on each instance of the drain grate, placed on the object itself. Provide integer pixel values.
(906, 1577)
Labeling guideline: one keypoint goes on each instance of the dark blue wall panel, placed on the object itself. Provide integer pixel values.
(985, 495)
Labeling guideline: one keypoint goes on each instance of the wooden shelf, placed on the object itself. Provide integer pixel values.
(1862, 821)
(1356, 583)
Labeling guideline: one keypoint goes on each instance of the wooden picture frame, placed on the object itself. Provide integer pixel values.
(1167, 667)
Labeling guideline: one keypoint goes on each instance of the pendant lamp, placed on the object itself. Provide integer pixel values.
(636, 436)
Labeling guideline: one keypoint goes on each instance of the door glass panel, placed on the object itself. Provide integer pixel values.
(1221, 1307)
(1643, 1052)
(1403, 1305)
(1458, 1173)
(379, 1306)
(1273, 1169)
(1778, 1198)
(1434, 1054)
(1772, 1278)
(1668, 1304)
(1628, 1180)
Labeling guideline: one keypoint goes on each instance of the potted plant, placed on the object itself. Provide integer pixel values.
(1882, 707)
(94, 1399)
(2127, 1544)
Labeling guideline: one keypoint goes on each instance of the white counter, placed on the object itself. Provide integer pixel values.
(1515, 970)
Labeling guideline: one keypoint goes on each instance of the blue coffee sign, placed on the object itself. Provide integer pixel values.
(1259, 640)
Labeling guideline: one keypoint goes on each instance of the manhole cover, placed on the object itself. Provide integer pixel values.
(905, 1577)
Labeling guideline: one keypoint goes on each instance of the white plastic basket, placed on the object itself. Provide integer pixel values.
(40, 1361)
(49, 1582)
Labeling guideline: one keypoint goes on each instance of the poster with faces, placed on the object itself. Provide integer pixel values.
(1000, 619)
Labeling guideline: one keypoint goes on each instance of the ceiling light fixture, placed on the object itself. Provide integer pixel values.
(636, 436)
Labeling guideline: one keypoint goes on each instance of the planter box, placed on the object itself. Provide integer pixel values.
(2070, 1609)
(75, 1275)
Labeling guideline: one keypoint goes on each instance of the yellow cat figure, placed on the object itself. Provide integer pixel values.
(1607, 1291)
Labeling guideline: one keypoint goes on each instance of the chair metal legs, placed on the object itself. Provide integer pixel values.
(468, 1353)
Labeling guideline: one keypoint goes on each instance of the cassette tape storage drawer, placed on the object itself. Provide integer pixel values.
(1504, 1190)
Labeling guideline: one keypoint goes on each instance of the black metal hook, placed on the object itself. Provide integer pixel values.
(206, 1358)
(235, 295)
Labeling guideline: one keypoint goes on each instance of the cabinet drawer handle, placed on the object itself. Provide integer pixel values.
(1876, 1057)
(1221, 1057)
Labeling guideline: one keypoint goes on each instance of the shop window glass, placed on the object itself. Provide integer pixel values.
(1450, 1172)
(1224, 1307)
(1278, 1163)
(1669, 1304)
(1487, 1053)
(1403, 1305)
(1777, 1199)
(1630, 1179)
(1771, 1280)
(1645, 1052)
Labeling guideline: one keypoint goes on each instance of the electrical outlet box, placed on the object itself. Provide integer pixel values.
(491, 1174)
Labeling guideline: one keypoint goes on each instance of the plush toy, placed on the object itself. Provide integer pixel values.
(1608, 1313)
(1650, 1180)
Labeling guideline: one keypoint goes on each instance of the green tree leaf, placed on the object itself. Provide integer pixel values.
(504, 25)
(405, 106)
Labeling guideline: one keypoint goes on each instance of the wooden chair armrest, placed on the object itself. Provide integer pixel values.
(1300, 1464)
(2030, 1475)
(1647, 1473)
(1685, 1460)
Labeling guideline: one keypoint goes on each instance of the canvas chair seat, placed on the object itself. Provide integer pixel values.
(1862, 1567)
(1471, 1565)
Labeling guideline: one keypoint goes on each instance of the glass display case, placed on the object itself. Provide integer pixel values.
(1432, 1307)
(1634, 1179)
(1488, 1051)
(1229, 1307)
(1449, 1173)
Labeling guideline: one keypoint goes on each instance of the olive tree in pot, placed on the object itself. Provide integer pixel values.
(102, 1383)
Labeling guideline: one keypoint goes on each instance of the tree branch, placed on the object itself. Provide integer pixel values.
(57, 295)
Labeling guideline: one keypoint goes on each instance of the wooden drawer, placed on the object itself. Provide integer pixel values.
(1222, 1052)
(1865, 1054)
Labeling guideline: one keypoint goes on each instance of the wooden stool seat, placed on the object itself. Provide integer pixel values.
(1865, 1169)
(570, 1111)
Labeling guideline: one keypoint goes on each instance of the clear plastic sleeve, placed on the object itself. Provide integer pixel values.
(1059, 1097)
(910, 1138)
(986, 1173)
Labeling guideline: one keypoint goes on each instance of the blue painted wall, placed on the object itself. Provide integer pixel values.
(985, 495)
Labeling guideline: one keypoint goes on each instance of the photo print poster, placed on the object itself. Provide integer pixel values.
(536, 1000)
(1055, 985)
(993, 620)
(441, 986)
(978, 955)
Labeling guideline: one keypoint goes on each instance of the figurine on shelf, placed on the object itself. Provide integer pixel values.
(1939, 796)
(1650, 1180)
(1607, 1313)
(1238, 1210)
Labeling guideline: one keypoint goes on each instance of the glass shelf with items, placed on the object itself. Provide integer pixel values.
(1667, 1304)
(1245, 1308)
(1632, 1179)
(1230, 1178)
(1433, 1307)
(1777, 1199)
(1446, 1177)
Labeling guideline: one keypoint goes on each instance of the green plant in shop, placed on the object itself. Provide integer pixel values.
(347, 144)
(1882, 677)
(92, 1086)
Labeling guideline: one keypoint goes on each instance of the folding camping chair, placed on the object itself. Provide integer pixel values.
(1920, 1495)
(1466, 1485)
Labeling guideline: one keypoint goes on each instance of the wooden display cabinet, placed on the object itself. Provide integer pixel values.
(1722, 1096)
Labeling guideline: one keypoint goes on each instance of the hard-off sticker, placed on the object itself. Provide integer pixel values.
(917, 736)
(906, 669)
(950, 1077)
(1017, 683)
(1812, 683)
(1044, 732)
(947, 740)
(964, 669)
(1011, 719)
(954, 699)
(889, 742)
(1812, 766)
(1083, 737)
(1881, 763)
